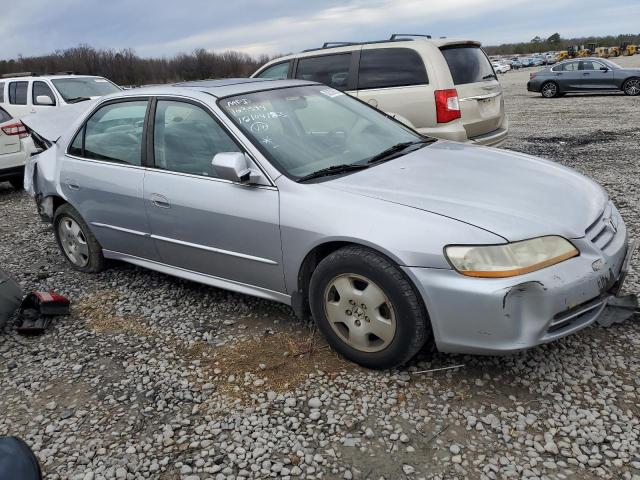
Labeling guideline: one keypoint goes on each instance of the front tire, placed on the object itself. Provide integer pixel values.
(76, 241)
(631, 87)
(550, 90)
(367, 309)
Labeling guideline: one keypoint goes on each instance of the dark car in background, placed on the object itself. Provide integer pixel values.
(585, 75)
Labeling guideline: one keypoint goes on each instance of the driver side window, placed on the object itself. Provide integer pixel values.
(186, 138)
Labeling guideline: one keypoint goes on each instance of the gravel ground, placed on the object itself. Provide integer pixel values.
(154, 377)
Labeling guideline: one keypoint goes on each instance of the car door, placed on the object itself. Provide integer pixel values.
(596, 76)
(395, 81)
(17, 93)
(102, 177)
(568, 76)
(202, 223)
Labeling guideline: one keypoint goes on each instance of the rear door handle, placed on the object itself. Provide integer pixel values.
(160, 200)
(73, 186)
(586, 73)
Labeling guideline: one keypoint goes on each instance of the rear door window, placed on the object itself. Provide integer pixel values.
(41, 88)
(279, 71)
(18, 93)
(569, 67)
(114, 133)
(391, 67)
(468, 64)
(332, 70)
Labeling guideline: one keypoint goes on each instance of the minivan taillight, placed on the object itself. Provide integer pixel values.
(15, 128)
(447, 105)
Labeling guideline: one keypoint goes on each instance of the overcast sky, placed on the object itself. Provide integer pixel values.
(167, 27)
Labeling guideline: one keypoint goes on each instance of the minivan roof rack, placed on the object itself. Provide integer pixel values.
(396, 35)
(20, 74)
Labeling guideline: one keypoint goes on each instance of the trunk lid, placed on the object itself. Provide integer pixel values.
(8, 143)
(479, 92)
(51, 124)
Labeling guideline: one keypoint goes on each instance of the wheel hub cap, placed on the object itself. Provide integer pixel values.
(360, 313)
(73, 241)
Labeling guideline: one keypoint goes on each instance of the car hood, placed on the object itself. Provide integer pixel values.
(513, 195)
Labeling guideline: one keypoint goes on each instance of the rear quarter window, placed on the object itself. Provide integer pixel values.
(468, 64)
(4, 116)
(391, 67)
(1, 92)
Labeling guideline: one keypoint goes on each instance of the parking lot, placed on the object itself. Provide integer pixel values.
(156, 377)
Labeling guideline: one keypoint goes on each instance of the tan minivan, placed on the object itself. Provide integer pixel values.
(444, 88)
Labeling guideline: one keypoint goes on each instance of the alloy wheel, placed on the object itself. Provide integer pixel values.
(73, 241)
(549, 90)
(632, 87)
(359, 312)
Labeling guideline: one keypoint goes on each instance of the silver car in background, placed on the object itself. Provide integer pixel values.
(293, 191)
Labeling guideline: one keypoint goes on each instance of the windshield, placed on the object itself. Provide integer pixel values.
(84, 87)
(302, 130)
(610, 64)
(468, 64)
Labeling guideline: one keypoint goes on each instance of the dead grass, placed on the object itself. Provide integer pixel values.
(100, 316)
(289, 359)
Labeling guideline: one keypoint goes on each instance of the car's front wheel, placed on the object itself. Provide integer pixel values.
(367, 309)
(76, 241)
(550, 90)
(632, 87)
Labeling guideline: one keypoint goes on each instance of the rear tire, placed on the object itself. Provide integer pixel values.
(631, 87)
(17, 183)
(550, 90)
(76, 241)
(367, 309)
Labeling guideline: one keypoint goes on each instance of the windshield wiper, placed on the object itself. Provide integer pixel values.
(333, 170)
(397, 148)
(77, 99)
(491, 75)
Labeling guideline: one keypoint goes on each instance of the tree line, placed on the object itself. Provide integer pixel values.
(124, 67)
(556, 42)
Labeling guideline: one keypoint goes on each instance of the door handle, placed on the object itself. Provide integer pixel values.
(73, 186)
(160, 200)
(585, 74)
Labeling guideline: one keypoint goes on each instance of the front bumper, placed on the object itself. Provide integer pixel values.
(495, 316)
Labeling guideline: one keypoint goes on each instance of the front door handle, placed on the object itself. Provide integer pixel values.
(73, 186)
(586, 73)
(160, 200)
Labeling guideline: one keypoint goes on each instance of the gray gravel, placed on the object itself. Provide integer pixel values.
(154, 377)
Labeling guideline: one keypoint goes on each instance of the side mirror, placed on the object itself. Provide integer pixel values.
(44, 100)
(236, 167)
(604, 69)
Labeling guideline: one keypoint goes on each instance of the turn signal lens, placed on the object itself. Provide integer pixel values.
(511, 259)
(447, 105)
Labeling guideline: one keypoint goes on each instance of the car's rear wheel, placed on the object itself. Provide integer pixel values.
(632, 87)
(76, 241)
(367, 309)
(550, 89)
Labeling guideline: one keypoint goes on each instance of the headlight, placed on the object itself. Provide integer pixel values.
(511, 259)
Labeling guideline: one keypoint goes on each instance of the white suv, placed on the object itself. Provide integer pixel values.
(443, 88)
(25, 93)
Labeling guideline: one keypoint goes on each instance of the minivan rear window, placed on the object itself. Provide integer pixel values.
(391, 67)
(468, 64)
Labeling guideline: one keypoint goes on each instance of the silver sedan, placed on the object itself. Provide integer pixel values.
(296, 192)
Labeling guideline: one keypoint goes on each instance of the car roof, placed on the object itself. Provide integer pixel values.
(46, 77)
(218, 88)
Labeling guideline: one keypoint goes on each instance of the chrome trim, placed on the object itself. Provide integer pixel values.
(480, 97)
(105, 162)
(215, 250)
(201, 277)
(120, 229)
(213, 179)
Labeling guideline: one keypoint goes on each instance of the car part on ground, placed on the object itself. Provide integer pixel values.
(322, 163)
(17, 460)
(37, 309)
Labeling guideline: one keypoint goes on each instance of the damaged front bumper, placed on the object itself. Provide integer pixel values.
(494, 316)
